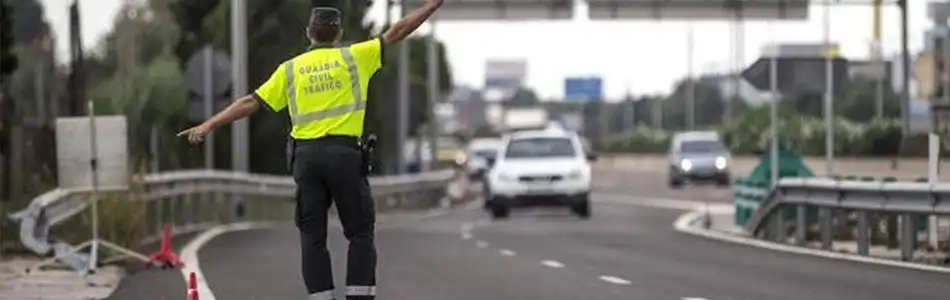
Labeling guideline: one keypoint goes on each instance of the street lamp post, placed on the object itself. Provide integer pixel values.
(239, 133)
(829, 94)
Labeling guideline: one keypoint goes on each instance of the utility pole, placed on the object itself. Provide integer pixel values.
(239, 131)
(402, 117)
(433, 64)
(829, 93)
(877, 57)
(691, 83)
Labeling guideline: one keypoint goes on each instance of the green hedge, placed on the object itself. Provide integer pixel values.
(749, 134)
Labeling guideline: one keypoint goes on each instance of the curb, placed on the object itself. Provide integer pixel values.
(686, 223)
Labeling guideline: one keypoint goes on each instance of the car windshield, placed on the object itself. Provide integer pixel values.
(702, 147)
(485, 153)
(540, 147)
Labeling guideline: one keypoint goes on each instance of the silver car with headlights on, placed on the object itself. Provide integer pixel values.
(698, 156)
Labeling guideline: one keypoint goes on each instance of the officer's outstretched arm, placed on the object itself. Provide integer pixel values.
(241, 108)
(411, 22)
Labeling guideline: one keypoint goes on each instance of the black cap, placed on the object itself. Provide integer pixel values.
(325, 16)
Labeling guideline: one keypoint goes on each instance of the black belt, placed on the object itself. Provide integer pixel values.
(330, 140)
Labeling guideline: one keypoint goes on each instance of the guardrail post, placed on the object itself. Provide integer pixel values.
(779, 224)
(824, 216)
(159, 210)
(892, 230)
(188, 210)
(801, 225)
(908, 237)
(863, 236)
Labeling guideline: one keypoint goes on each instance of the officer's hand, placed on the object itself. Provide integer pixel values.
(195, 134)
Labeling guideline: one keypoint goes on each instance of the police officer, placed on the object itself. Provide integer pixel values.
(324, 90)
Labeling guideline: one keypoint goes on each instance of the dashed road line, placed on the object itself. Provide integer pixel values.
(507, 252)
(693, 298)
(466, 236)
(552, 264)
(481, 244)
(615, 280)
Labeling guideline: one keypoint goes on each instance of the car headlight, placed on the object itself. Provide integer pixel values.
(721, 163)
(460, 158)
(686, 165)
(576, 174)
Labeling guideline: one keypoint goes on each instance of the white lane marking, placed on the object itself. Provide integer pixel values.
(693, 298)
(552, 264)
(614, 280)
(189, 254)
(466, 236)
(466, 227)
(685, 224)
(507, 252)
(481, 244)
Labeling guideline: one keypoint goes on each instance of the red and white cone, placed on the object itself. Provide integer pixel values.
(192, 287)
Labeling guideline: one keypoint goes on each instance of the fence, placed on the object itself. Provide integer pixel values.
(871, 211)
(191, 201)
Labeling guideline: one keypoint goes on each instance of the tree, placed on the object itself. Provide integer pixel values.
(856, 100)
(709, 105)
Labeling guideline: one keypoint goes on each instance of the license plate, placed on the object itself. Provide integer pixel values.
(539, 188)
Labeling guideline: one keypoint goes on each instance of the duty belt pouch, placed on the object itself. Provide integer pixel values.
(368, 147)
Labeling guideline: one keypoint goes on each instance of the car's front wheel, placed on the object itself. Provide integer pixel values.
(582, 207)
(675, 182)
(499, 210)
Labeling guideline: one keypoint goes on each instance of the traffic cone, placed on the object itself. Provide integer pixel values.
(192, 286)
(166, 256)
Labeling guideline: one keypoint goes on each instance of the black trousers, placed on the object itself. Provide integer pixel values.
(328, 173)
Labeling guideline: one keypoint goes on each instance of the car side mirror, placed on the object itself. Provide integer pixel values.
(592, 156)
(490, 162)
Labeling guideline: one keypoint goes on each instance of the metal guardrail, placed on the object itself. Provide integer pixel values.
(848, 207)
(190, 201)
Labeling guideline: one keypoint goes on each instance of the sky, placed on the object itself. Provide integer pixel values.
(631, 56)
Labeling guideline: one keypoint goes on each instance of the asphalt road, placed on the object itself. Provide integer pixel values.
(627, 250)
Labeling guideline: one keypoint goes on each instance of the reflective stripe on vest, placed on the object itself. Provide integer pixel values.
(361, 290)
(358, 104)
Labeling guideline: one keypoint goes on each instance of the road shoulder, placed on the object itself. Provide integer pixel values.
(692, 223)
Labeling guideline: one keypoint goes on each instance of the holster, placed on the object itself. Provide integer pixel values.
(368, 149)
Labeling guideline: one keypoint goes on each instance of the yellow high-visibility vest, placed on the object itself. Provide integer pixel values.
(324, 89)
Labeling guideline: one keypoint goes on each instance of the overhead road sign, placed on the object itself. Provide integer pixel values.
(478, 10)
(506, 74)
(698, 9)
(583, 89)
(796, 74)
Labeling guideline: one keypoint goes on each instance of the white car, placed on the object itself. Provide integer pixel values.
(480, 155)
(540, 168)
